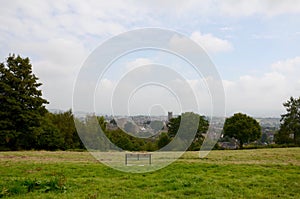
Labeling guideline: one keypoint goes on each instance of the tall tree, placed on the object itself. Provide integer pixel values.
(243, 128)
(192, 120)
(163, 140)
(21, 104)
(49, 136)
(64, 122)
(289, 131)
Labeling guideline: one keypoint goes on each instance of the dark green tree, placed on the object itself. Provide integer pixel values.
(173, 126)
(91, 133)
(21, 104)
(156, 125)
(64, 123)
(102, 122)
(163, 140)
(192, 122)
(289, 131)
(49, 136)
(149, 145)
(243, 128)
(264, 138)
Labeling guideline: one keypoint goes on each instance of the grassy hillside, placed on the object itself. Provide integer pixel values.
(263, 173)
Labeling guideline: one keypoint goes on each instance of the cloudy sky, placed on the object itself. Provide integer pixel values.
(254, 45)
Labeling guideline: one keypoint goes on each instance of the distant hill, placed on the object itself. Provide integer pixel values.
(55, 110)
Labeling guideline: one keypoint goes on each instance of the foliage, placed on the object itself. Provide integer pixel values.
(264, 138)
(128, 142)
(156, 125)
(56, 183)
(26, 124)
(24, 121)
(163, 140)
(192, 122)
(62, 130)
(289, 131)
(22, 187)
(21, 104)
(243, 128)
(49, 136)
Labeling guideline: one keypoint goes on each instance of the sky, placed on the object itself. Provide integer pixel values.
(254, 45)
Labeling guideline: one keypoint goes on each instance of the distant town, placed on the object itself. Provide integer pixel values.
(145, 126)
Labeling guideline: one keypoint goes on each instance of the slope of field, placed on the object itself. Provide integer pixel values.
(263, 173)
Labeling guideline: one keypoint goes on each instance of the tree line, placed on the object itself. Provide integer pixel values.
(26, 124)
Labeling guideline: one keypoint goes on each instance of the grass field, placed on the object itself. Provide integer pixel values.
(262, 173)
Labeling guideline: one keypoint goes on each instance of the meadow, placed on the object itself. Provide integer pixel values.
(260, 173)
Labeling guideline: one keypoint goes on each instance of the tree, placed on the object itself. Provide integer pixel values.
(64, 123)
(156, 125)
(150, 146)
(192, 120)
(49, 136)
(102, 122)
(264, 138)
(243, 128)
(289, 131)
(163, 140)
(21, 104)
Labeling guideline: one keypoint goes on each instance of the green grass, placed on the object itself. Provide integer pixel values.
(262, 173)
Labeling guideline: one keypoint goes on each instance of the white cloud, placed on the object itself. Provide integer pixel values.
(58, 35)
(234, 8)
(208, 42)
(181, 45)
(255, 95)
(56, 63)
(288, 66)
(226, 28)
(211, 43)
(231, 8)
(137, 63)
(264, 95)
(262, 7)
